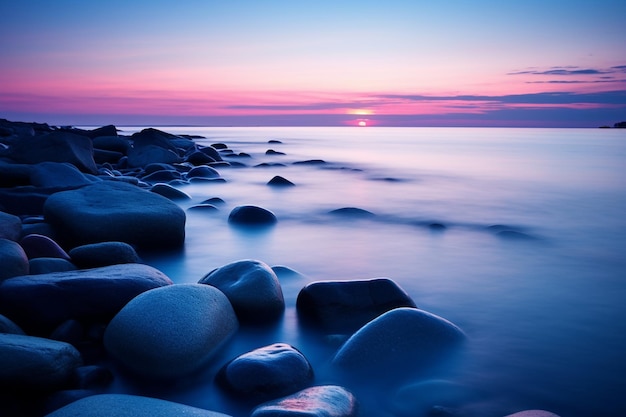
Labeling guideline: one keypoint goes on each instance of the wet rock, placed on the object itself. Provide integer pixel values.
(114, 211)
(274, 141)
(13, 260)
(251, 216)
(203, 207)
(202, 171)
(279, 181)
(57, 174)
(170, 192)
(121, 405)
(319, 401)
(40, 246)
(214, 201)
(39, 303)
(268, 372)
(273, 152)
(172, 331)
(10, 227)
(352, 212)
(211, 152)
(199, 158)
(118, 144)
(162, 176)
(252, 288)
(343, 307)
(399, 342)
(7, 326)
(96, 255)
(39, 266)
(36, 363)
(144, 155)
(311, 162)
(56, 146)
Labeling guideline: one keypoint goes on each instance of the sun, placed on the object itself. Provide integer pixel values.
(362, 123)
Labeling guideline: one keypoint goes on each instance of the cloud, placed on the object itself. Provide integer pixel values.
(570, 70)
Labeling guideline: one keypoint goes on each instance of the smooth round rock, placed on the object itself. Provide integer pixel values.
(278, 181)
(13, 259)
(10, 226)
(251, 216)
(398, 342)
(342, 307)
(268, 372)
(252, 288)
(97, 255)
(172, 331)
(40, 246)
(202, 171)
(39, 266)
(115, 211)
(170, 192)
(319, 401)
(39, 303)
(7, 326)
(35, 362)
(57, 174)
(121, 405)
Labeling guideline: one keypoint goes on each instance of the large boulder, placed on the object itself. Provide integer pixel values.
(115, 211)
(10, 226)
(265, 373)
(172, 331)
(121, 405)
(35, 363)
(56, 146)
(252, 288)
(319, 401)
(397, 343)
(13, 259)
(342, 307)
(39, 303)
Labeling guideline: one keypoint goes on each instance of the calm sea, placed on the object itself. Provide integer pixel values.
(516, 235)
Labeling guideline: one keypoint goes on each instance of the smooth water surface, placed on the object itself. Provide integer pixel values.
(518, 236)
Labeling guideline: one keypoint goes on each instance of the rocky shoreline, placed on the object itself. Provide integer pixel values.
(77, 304)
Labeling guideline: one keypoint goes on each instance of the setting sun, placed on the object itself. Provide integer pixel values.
(362, 123)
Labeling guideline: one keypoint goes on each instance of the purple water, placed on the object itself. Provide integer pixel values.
(542, 303)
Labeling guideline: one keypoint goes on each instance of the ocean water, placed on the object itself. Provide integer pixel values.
(518, 236)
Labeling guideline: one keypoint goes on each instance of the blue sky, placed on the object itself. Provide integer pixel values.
(326, 62)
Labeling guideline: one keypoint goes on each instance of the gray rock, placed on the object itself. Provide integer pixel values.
(39, 303)
(172, 331)
(252, 288)
(96, 255)
(56, 146)
(115, 211)
(251, 216)
(39, 266)
(58, 174)
(266, 373)
(170, 192)
(342, 307)
(7, 326)
(34, 362)
(13, 260)
(120, 405)
(319, 401)
(399, 342)
(10, 227)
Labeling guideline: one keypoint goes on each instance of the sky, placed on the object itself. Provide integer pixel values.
(548, 63)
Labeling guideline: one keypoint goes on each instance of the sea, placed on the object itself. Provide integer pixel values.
(516, 235)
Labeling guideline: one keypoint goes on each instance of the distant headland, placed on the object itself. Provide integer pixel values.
(618, 125)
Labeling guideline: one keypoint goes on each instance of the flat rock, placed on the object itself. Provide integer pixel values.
(13, 259)
(342, 307)
(121, 405)
(35, 362)
(267, 372)
(10, 226)
(252, 288)
(251, 216)
(96, 255)
(172, 331)
(115, 211)
(318, 401)
(39, 303)
(398, 342)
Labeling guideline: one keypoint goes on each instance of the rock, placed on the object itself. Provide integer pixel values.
(533, 413)
(352, 212)
(424, 397)
(40, 246)
(342, 307)
(92, 376)
(279, 181)
(57, 174)
(199, 158)
(170, 192)
(13, 260)
(28, 362)
(252, 288)
(203, 207)
(273, 152)
(121, 405)
(251, 216)
(96, 255)
(172, 331)
(162, 176)
(118, 144)
(10, 227)
(7, 326)
(144, 155)
(115, 211)
(318, 401)
(213, 201)
(399, 342)
(211, 152)
(202, 171)
(56, 146)
(39, 303)
(39, 266)
(274, 141)
(266, 373)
